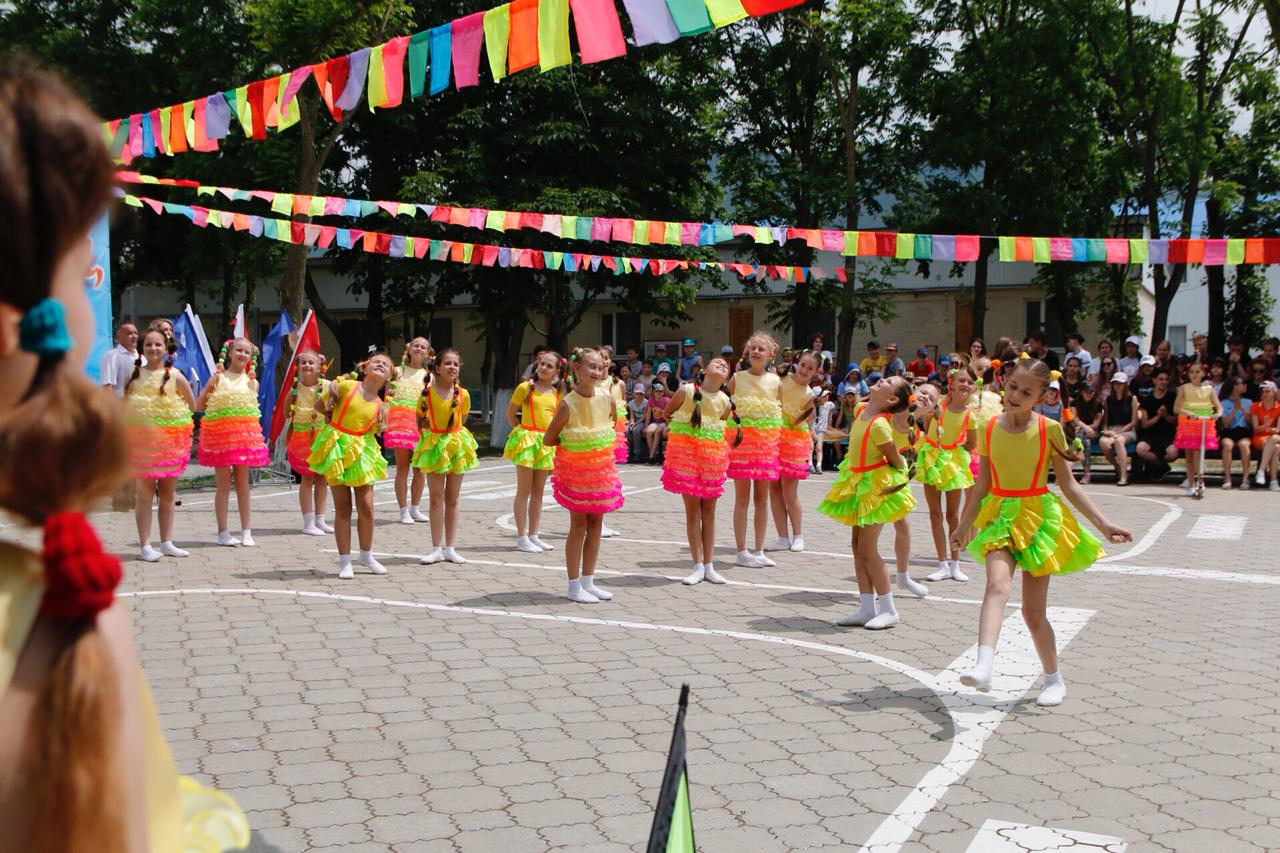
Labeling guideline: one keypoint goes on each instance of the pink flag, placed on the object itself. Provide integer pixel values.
(468, 36)
(599, 31)
(967, 246)
(393, 70)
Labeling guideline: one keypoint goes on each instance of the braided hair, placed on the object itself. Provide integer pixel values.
(168, 368)
(222, 356)
(737, 420)
(424, 401)
(906, 400)
(695, 420)
(137, 371)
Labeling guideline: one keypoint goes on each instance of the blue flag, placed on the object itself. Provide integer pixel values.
(193, 357)
(272, 345)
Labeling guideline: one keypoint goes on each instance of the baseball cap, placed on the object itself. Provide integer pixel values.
(922, 351)
(1120, 377)
(891, 345)
(664, 368)
(853, 368)
(1054, 385)
(1148, 359)
(874, 377)
(726, 350)
(1133, 339)
(851, 390)
(945, 361)
(639, 388)
(661, 348)
(873, 345)
(1267, 385)
(689, 342)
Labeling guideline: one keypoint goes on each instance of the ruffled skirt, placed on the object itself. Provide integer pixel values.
(585, 477)
(1040, 532)
(620, 440)
(211, 821)
(446, 453)
(227, 440)
(160, 450)
(862, 499)
(298, 448)
(696, 462)
(795, 452)
(945, 470)
(346, 460)
(1188, 434)
(526, 448)
(756, 457)
(402, 426)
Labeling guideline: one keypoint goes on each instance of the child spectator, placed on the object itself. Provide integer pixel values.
(1266, 433)
(822, 411)
(655, 428)
(1051, 405)
(637, 408)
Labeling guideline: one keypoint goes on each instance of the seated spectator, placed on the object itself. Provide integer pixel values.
(921, 365)
(1086, 408)
(1107, 368)
(853, 381)
(1258, 373)
(655, 429)
(893, 365)
(1200, 347)
(1142, 384)
(660, 358)
(1218, 375)
(1073, 378)
(1235, 430)
(1128, 363)
(1265, 415)
(874, 362)
(1119, 426)
(821, 421)
(1075, 347)
(939, 376)
(663, 378)
(1051, 405)
(1157, 426)
(1238, 359)
(1105, 350)
(1270, 354)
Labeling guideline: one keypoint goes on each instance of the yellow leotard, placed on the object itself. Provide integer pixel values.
(757, 396)
(439, 408)
(305, 415)
(536, 408)
(353, 414)
(795, 397)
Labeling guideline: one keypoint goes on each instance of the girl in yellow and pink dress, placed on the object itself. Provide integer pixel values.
(697, 461)
(529, 413)
(869, 492)
(231, 440)
(346, 454)
(1197, 407)
(304, 423)
(754, 462)
(403, 433)
(585, 478)
(446, 451)
(158, 404)
(945, 468)
(1019, 523)
(795, 448)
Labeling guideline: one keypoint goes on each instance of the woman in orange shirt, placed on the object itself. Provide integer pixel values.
(1265, 415)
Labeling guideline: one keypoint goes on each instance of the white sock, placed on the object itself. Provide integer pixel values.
(344, 567)
(866, 611)
(537, 540)
(405, 518)
(246, 538)
(943, 572)
(589, 585)
(956, 574)
(884, 603)
(980, 675)
(170, 550)
(711, 574)
(367, 560)
(148, 554)
(699, 574)
(747, 559)
(765, 561)
(524, 543)
(580, 595)
(436, 555)
(453, 556)
(912, 586)
(417, 514)
(322, 524)
(1055, 690)
(225, 538)
(308, 519)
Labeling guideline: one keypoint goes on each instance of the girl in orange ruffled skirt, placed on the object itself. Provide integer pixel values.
(402, 433)
(304, 423)
(795, 447)
(753, 463)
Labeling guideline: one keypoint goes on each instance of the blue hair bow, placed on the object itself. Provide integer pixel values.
(43, 329)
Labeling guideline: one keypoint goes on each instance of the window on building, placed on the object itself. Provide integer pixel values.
(1040, 315)
(1178, 340)
(441, 332)
(620, 331)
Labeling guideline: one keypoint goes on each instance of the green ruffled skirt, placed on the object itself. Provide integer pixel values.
(346, 460)
(1040, 532)
(446, 453)
(861, 499)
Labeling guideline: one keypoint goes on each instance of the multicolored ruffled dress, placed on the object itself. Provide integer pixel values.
(1020, 515)
(524, 444)
(402, 409)
(943, 461)
(182, 815)
(618, 390)
(756, 399)
(345, 451)
(585, 477)
(304, 422)
(860, 495)
(697, 458)
(231, 429)
(446, 446)
(159, 427)
(1197, 405)
(795, 444)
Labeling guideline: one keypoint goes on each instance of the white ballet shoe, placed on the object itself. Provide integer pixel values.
(405, 517)
(171, 550)
(748, 560)
(324, 525)
(782, 543)
(712, 575)
(589, 587)
(765, 562)
(580, 596)
(956, 574)
(418, 515)
(797, 545)
(345, 572)
(147, 554)
(1052, 695)
(943, 573)
(453, 556)
(698, 576)
(367, 560)
(434, 557)
(977, 679)
(246, 539)
(857, 618)
(911, 585)
(525, 544)
(225, 538)
(606, 532)
(536, 540)
(882, 621)
(311, 529)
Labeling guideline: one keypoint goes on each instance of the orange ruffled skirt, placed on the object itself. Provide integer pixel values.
(232, 440)
(756, 457)
(697, 461)
(298, 449)
(795, 452)
(585, 476)
(402, 427)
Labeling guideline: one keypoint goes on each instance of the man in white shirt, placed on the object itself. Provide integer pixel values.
(1075, 347)
(117, 363)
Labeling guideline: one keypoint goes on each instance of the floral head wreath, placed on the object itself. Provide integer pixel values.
(996, 364)
(1055, 375)
(1023, 356)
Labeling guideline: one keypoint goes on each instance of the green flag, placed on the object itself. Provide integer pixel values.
(672, 830)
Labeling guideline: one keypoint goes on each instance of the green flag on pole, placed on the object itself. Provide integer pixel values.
(672, 830)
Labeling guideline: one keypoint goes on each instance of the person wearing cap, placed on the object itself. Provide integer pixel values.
(662, 377)
(1128, 363)
(1119, 426)
(1051, 405)
(921, 365)
(893, 366)
(1142, 384)
(874, 362)
(660, 358)
(1265, 418)
(637, 411)
(939, 375)
(690, 361)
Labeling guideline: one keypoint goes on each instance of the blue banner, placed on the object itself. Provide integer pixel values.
(98, 285)
(272, 346)
(193, 357)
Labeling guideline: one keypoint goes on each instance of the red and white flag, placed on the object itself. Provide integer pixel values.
(238, 328)
(308, 338)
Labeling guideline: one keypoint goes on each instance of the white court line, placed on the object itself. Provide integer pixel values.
(619, 573)
(1153, 533)
(1188, 574)
(1002, 836)
(974, 716)
(1218, 527)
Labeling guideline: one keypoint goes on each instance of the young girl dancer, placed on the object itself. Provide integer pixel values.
(870, 491)
(697, 461)
(158, 404)
(795, 449)
(304, 421)
(402, 433)
(944, 467)
(445, 452)
(753, 464)
(530, 411)
(346, 454)
(1020, 523)
(1196, 405)
(585, 479)
(231, 439)
(907, 439)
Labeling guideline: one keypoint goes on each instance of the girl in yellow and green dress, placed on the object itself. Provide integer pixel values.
(304, 422)
(529, 413)
(869, 492)
(445, 452)
(944, 467)
(1019, 523)
(403, 433)
(347, 455)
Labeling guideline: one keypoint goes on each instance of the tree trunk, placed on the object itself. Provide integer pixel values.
(1216, 276)
(317, 304)
(852, 214)
(980, 270)
(228, 286)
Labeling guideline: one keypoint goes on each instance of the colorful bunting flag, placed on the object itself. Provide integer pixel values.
(467, 35)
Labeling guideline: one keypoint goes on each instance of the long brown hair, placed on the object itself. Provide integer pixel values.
(61, 448)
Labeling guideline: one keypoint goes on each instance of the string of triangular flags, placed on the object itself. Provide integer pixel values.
(644, 232)
(514, 36)
(456, 251)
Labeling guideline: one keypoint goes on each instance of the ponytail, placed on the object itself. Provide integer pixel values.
(168, 366)
(695, 420)
(424, 403)
(737, 420)
(453, 407)
(909, 454)
(137, 371)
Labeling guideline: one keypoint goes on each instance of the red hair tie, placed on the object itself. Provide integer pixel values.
(80, 578)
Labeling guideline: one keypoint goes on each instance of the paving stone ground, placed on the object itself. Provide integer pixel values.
(446, 707)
